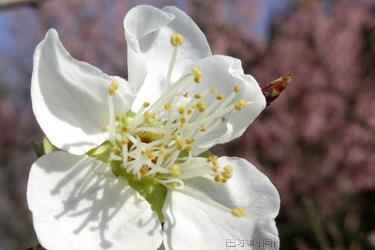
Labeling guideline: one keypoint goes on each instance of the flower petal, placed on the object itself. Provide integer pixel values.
(224, 73)
(69, 97)
(148, 31)
(78, 204)
(192, 223)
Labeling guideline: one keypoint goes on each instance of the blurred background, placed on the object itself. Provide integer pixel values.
(316, 142)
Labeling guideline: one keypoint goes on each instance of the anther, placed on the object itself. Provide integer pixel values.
(150, 155)
(240, 104)
(189, 140)
(238, 212)
(228, 169)
(112, 88)
(197, 74)
(105, 128)
(197, 96)
(175, 170)
(146, 104)
(219, 97)
(236, 89)
(177, 40)
(201, 106)
(218, 179)
(212, 90)
(148, 117)
(117, 118)
(168, 106)
(181, 110)
(162, 151)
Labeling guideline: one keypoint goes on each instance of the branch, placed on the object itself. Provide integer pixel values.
(14, 3)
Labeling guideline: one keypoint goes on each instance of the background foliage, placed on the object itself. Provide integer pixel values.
(316, 142)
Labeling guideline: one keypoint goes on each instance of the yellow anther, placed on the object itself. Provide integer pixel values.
(112, 88)
(172, 185)
(189, 140)
(238, 212)
(228, 169)
(117, 118)
(212, 158)
(177, 39)
(104, 128)
(201, 106)
(222, 119)
(146, 104)
(185, 94)
(212, 90)
(188, 148)
(116, 151)
(197, 74)
(125, 129)
(197, 96)
(143, 170)
(215, 169)
(189, 111)
(150, 155)
(175, 170)
(125, 141)
(182, 120)
(174, 136)
(202, 129)
(226, 175)
(179, 144)
(236, 89)
(217, 178)
(168, 106)
(219, 97)
(181, 110)
(148, 117)
(240, 104)
(162, 151)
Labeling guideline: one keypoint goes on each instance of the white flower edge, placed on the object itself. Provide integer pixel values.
(67, 97)
(78, 204)
(195, 222)
(147, 32)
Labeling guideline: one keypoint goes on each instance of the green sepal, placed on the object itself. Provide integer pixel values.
(205, 154)
(102, 152)
(38, 148)
(153, 192)
(43, 148)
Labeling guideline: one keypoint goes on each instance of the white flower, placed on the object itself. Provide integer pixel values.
(132, 150)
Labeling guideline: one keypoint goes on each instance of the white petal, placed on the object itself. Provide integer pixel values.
(69, 97)
(148, 31)
(193, 224)
(224, 73)
(78, 204)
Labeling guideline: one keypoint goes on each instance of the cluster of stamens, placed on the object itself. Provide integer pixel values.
(158, 140)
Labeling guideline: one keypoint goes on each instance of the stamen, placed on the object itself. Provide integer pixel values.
(238, 212)
(197, 74)
(181, 110)
(146, 104)
(240, 104)
(176, 170)
(177, 40)
(236, 89)
(112, 88)
(167, 106)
